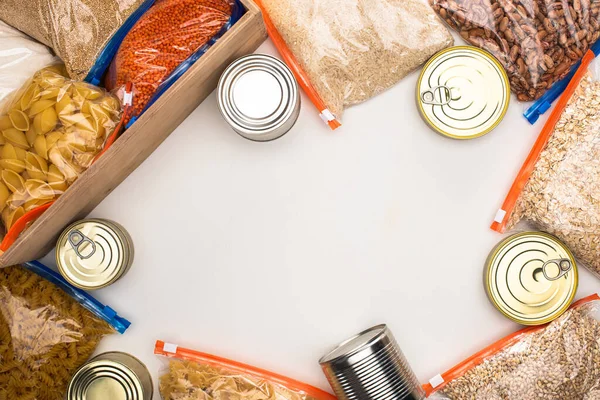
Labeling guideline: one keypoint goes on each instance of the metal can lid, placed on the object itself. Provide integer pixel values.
(463, 92)
(531, 277)
(93, 253)
(259, 97)
(359, 347)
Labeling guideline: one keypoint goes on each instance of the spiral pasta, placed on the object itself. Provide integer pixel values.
(50, 134)
(45, 335)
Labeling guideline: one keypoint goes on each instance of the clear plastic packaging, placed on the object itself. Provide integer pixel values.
(558, 361)
(52, 130)
(191, 375)
(344, 52)
(537, 41)
(47, 330)
(85, 34)
(558, 187)
(165, 42)
(20, 57)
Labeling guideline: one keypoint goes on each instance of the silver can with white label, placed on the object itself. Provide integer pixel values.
(259, 97)
(371, 366)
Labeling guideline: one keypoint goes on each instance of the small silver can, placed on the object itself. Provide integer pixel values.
(94, 253)
(371, 366)
(114, 376)
(259, 98)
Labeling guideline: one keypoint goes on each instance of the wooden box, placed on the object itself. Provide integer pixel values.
(139, 141)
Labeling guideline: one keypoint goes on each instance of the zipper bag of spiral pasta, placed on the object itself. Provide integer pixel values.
(560, 360)
(190, 374)
(557, 189)
(48, 329)
(345, 52)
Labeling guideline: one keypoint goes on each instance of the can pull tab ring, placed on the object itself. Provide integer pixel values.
(77, 239)
(444, 96)
(564, 265)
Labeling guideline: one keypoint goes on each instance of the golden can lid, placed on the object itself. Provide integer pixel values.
(463, 92)
(531, 277)
(94, 253)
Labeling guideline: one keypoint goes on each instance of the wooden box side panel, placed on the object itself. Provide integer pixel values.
(138, 142)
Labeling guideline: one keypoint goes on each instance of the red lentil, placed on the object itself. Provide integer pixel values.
(170, 32)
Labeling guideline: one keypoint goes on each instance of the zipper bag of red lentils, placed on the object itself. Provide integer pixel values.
(48, 329)
(52, 130)
(560, 360)
(165, 43)
(557, 188)
(345, 52)
(190, 374)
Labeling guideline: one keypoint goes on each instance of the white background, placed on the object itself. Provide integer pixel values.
(272, 253)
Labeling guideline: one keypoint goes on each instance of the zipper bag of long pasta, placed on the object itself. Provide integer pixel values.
(48, 329)
(190, 374)
(557, 189)
(560, 360)
(344, 52)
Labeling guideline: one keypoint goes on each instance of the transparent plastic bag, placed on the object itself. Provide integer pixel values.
(52, 130)
(165, 42)
(20, 57)
(558, 361)
(85, 34)
(537, 41)
(47, 330)
(344, 52)
(558, 187)
(191, 375)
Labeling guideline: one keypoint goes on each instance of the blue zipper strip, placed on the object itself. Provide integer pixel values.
(106, 313)
(237, 12)
(108, 52)
(543, 104)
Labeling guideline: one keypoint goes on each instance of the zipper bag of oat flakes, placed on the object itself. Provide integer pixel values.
(558, 361)
(190, 375)
(344, 52)
(557, 189)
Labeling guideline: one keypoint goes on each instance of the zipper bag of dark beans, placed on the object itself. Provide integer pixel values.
(165, 43)
(48, 329)
(557, 361)
(537, 41)
(85, 34)
(190, 375)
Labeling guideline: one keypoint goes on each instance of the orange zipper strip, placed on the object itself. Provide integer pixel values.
(236, 367)
(523, 176)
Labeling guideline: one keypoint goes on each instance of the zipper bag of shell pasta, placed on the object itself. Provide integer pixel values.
(344, 52)
(48, 329)
(51, 131)
(557, 189)
(85, 34)
(190, 375)
(537, 41)
(165, 43)
(560, 360)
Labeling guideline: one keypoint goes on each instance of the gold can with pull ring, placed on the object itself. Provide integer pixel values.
(94, 253)
(531, 278)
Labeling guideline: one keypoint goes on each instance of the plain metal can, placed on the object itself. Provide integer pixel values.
(371, 366)
(112, 375)
(463, 92)
(94, 253)
(259, 97)
(531, 277)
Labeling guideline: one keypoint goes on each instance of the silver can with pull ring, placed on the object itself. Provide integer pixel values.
(94, 253)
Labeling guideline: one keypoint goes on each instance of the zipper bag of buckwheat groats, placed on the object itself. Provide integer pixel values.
(558, 361)
(48, 329)
(558, 187)
(344, 52)
(537, 41)
(85, 34)
(191, 375)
